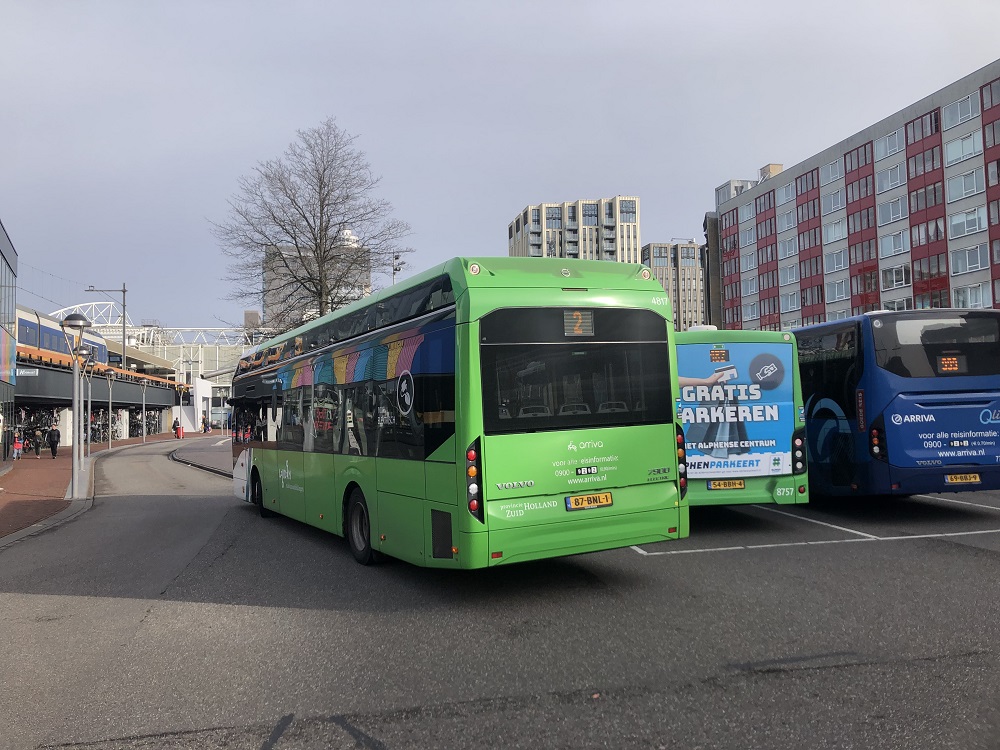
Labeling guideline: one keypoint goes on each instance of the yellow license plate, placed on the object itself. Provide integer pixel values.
(727, 484)
(582, 502)
(962, 479)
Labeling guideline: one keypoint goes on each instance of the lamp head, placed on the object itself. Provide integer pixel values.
(75, 322)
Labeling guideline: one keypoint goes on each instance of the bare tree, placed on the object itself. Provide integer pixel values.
(305, 233)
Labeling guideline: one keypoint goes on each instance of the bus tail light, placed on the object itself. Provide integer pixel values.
(682, 468)
(473, 471)
(877, 447)
(799, 461)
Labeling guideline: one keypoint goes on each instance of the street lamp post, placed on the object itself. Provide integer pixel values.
(88, 372)
(111, 378)
(143, 383)
(73, 327)
(122, 290)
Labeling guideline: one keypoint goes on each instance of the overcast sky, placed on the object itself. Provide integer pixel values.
(125, 126)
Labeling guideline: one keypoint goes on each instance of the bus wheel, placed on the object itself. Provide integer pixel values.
(359, 536)
(257, 496)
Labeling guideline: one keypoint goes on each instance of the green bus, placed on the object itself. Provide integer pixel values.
(743, 417)
(486, 411)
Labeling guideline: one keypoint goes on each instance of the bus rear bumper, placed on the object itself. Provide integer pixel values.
(573, 537)
(905, 481)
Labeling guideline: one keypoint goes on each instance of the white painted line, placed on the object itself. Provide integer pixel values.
(816, 543)
(959, 502)
(812, 520)
(225, 441)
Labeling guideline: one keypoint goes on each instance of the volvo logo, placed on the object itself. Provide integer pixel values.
(515, 485)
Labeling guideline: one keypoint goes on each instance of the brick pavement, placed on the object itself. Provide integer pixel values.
(35, 488)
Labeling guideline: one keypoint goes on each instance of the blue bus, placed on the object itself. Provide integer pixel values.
(902, 402)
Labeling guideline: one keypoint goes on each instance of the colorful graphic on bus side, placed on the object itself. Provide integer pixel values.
(737, 408)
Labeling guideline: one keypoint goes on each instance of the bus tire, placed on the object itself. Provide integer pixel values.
(257, 496)
(359, 528)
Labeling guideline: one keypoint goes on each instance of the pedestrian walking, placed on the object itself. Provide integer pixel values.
(18, 446)
(37, 443)
(52, 438)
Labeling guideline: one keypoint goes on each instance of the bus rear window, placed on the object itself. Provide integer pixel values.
(946, 344)
(533, 387)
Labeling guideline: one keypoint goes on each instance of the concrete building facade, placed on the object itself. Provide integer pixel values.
(903, 214)
(679, 265)
(603, 229)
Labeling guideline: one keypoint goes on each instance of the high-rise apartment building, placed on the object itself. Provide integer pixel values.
(603, 229)
(904, 214)
(680, 267)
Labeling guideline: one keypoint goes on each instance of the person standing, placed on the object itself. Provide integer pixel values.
(52, 438)
(37, 443)
(18, 445)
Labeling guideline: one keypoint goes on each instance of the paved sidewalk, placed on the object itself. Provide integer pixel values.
(36, 490)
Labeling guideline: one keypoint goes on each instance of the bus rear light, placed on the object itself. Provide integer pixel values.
(672, 530)
(802, 489)
(876, 440)
(472, 469)
(799, 460)
(496, 555)
(683, 482)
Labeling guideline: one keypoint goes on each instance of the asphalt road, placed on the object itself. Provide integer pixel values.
(171, 616)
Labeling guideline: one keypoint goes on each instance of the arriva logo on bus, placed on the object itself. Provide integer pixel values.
(906, 418)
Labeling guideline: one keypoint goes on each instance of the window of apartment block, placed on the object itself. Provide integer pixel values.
(836, 290)
(931, 300)
(787, 248)
(974, 296)
(958, 112)
(963, 148)
(860, 252)
(790, 301)
(748, 262)
(991, 94)
(889, 144)
(967, 222)
(786, 221)
(748, 236)
(931, 231)
(784, 194)
(836, 260)
(895, 277)
(536, 217)
(891, 211)
(928, 161)
(830, 172)
(627, 215)
(832, 201)
(931, 267)
(970, 259)
(906, 303)
(748, 286)
(892, 244)
(788, 274)
(590, 214)
(835, 230)
(964, 185)
(746, 212)
(922, 127)
(926, 197)
(858, 158)
(889, 178)
(553, 217)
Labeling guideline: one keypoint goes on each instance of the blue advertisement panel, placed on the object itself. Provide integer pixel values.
(943, 429)
(737, 406)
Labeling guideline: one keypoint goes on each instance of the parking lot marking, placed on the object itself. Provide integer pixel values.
(868, 538)
(813, 520)
(959, 502)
